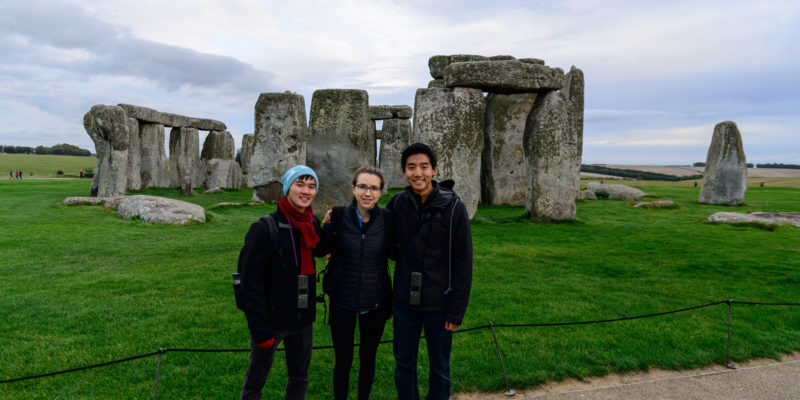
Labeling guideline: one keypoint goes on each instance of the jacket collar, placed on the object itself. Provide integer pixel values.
(440, 197)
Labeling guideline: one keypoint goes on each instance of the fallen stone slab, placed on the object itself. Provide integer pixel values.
(509, 76)
(173, 120)
(779, 218)
(160, 210)
(389, 112)
(654, 204)
(107, 202)
(586, 194)
(214, 190)
(617, 192)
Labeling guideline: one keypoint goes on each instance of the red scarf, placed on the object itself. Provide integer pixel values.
(304, 222)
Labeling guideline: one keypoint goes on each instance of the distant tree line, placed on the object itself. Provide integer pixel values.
(778, 165)
(59, 149)
(702, 164)
(629, 173)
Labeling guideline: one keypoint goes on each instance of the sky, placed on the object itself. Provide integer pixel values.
(659, 75)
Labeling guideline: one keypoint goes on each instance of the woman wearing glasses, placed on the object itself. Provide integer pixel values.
(362, 290)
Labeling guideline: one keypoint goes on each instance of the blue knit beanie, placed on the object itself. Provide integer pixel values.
(295, 172)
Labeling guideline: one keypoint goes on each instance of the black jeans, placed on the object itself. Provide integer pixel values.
(343, 327)
(297, 343)
(408, 325)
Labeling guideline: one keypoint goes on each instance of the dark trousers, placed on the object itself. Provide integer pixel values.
(297, 344)
(370, 329)
(408, 325)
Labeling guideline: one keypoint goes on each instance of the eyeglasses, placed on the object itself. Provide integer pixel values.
(362, 187)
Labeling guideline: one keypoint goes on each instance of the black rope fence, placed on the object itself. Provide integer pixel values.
(491, 326)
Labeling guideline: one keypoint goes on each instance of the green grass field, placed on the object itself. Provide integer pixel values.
(45, 165)
(81, 286)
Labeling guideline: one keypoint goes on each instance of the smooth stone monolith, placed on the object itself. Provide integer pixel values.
(574, 91)
(108, 128)
(247, 149)
(394, 139)
(509, 76)
(154, 167)
(341, 138)
(450, 121)
(551, 152)
(503, 162)
(218, 144)
(222, 173)
(279, 142)
(725, 174)
(184, 156)
(134, 155)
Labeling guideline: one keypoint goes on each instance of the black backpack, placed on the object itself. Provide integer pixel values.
(272, 228)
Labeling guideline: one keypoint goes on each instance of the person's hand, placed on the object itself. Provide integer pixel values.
(266, 344)
(327, 219)
(449, 326)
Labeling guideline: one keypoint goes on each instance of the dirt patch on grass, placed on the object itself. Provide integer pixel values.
(569, 385)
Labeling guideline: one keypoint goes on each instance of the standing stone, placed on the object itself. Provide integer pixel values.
(551, 151)
(247, 149)
(725, 175)
(394, 139)
(154, 168)
(450, 121)
(186, 187)
(219, 168)
(341, 137)
(134, 155)
(279, 142)
(184, 156)
(108, 128)
(503, 170)
(574, 91)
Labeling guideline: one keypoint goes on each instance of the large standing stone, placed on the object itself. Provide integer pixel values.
(219, 168)
(154, 167)
(551, 151)
(725, 175)
(503, 170)
(509, 76)
(108, 128)
(450, 121)
(394, 139)
(134, 155)
(341, 139)
(574, 91)
(279, 142)
(184, 156)
(247, 149)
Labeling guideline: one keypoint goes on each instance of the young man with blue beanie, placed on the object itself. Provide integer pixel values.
(278, 291)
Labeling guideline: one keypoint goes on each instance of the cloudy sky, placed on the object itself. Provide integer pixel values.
(659, 75)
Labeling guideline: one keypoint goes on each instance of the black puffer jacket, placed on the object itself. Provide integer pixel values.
(269, 279)
(423, 245)
(359, 259)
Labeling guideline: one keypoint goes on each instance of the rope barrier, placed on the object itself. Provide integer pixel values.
(162, 351)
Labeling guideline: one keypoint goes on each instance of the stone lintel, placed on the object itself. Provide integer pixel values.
(170, 119)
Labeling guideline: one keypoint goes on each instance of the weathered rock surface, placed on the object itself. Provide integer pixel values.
(586, 194)
(341, 139)
(574, 91)
(511, 76)
(154, 168)
(222, 173)
(654, 204)
(394, 140)
(532, 61)
(436, 83)
(173, 120)
(437, 64)
(186, 187)
(218, 144)
(134, 155)
(279, 141)
(725, 175)
(248, 140)
(616, 192)
(503, 170)
(108, 202)
(184, 156)
(389, 112)
(501, 58)
(552, 155)
(162, 210)
(788, 218)
(450, 121)
(213, 190)
(108, 128)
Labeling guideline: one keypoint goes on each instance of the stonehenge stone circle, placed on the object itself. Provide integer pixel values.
(341, 138)
(279, 142)
(508, 76)
(450, 121)
(725, 174)
(503, 162)
(394, 139)
(184, 156)
(551, 152)
(108, 128)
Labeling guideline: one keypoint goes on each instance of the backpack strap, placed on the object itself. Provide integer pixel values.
(272, 229)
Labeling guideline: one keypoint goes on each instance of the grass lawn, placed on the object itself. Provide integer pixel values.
(81, 286)
(45, 165)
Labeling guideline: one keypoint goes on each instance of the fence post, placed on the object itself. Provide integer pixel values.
(509, 391)
(730, 319)
(161, 352)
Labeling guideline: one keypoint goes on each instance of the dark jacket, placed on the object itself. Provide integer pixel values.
(422, 236)
(269, 279)
(359, 259)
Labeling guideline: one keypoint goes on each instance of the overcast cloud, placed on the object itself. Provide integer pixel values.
(659, 75)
